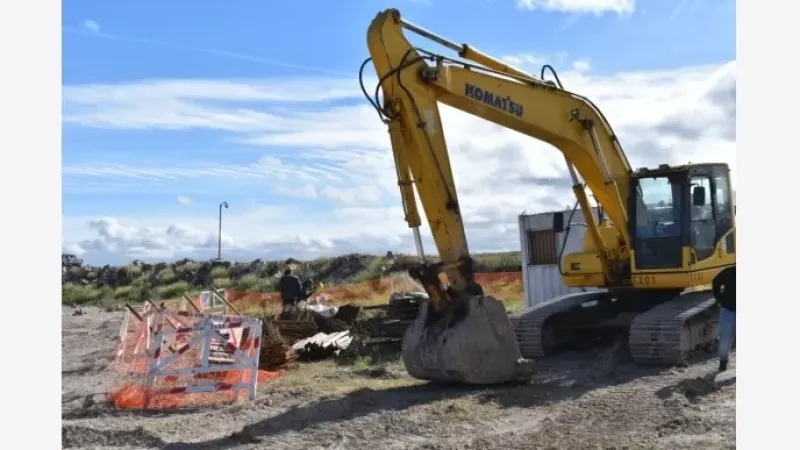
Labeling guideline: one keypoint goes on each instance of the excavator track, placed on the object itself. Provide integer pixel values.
(529, 327)
(665, 334)
(671, 331)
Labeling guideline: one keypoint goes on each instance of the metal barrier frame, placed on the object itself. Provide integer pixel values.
(167, 351)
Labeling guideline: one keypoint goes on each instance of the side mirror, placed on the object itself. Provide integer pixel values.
(699, 196)
(558, 222)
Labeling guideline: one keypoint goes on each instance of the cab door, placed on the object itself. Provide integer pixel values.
(723, 207)
(702, 215)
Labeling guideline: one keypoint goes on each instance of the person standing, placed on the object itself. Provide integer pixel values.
(290, 287)
(724, 286)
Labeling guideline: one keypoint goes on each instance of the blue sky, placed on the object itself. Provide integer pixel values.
(172, 107)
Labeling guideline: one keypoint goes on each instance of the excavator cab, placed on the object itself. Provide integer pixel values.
(681, 223)
(682, 219)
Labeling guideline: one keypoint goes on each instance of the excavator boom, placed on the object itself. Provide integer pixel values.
(414, 81)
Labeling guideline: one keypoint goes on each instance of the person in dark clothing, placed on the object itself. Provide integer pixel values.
(724, 285)
(290, 287)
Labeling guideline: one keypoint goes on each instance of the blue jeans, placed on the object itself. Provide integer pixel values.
(727, 332)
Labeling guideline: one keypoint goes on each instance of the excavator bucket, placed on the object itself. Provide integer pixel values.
(477, 346)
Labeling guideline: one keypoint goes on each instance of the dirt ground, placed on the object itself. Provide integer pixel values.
(596, 399)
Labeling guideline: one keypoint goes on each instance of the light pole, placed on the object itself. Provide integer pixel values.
(390, 264)
(219, 234)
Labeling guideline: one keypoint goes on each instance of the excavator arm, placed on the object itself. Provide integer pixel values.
(413, 82)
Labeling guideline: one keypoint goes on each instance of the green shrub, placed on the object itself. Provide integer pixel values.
(269, 269)
(498, 262)
(172, 291)
(188, 267)
(221, 283)
(75, 293)
(219, 272)
(123, 292)
(248, 282)
(106, 293)
(131, 270)
(267, 285)
(167, 276)
(135, 284)
(133, 293)
(375, 269)
(140, 294)
(109, 302)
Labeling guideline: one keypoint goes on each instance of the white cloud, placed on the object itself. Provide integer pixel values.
(184, 200)
(312, 89)
(355, 196)
(533, 61)
(308, 191)
(90, 25)
(581, 65)
(337, 156)
(597, 7)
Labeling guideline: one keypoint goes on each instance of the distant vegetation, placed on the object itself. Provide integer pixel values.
(138, 281)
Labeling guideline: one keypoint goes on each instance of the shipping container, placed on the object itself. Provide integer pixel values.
(541, 248)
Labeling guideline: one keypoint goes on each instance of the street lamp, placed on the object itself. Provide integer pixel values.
(219, 234)
(389, 266)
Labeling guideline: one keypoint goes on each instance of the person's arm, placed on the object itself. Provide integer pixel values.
(717, 284)
(281, 287)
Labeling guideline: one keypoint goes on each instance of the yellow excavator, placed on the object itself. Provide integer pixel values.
(657, 237)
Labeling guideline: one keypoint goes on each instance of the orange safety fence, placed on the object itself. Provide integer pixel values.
(351, 292)
(181, 369)
(246, 299)
(132, 394)
(494, 277)
(375, 288)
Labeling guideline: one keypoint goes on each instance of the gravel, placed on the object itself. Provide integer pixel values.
(595, 399)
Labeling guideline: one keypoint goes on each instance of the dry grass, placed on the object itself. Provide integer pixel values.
(505, 286)
(329, 378)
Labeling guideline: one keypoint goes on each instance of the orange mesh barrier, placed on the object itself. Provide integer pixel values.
(246, 299)
(132, 394)
(186, 359)
(507, 283)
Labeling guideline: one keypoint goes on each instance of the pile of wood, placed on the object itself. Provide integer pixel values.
(294, 331)
(404, 305)
(343, 319)
(295, 324)
(304, 335)
(295, 314)
(383, 327)
(276, 353)
(322, 346)
(347, 314)
(400, 312)
(332, 325)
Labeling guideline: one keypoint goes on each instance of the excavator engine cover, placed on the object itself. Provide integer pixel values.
(476, 346)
